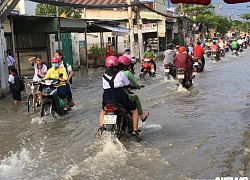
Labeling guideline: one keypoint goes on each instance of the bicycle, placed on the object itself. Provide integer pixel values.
(33, 98)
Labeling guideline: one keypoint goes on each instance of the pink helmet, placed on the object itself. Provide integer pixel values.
(124, 60)
(55, 59)
(111, 61)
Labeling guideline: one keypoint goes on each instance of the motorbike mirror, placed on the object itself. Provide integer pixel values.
(61, 75)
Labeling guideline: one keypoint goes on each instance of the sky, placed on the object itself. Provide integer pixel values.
(233, 9)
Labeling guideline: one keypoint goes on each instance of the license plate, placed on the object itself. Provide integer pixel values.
(109, 119)
(234, 51)
(196, 63)
(167, 70)
(180, 76)
(214, 55)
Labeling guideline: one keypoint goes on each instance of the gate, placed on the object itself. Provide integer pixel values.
(67, 47)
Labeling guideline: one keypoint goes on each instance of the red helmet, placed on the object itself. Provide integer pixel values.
(55, 59)
(181, 49)
(111, 61)
(124, 60)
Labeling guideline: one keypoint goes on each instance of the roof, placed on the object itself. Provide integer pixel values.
(96, 2)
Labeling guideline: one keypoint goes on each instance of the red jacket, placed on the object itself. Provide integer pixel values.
(198, 51)
(182, 61)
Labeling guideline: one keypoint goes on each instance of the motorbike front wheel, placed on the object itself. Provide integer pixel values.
(31, 104)
(46, 110)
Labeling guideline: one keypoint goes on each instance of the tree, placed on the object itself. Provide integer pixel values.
(50, 10)
(246, 16)
(206, 14)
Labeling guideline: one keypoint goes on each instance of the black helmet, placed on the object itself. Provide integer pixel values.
(148, 45)
(170, 46)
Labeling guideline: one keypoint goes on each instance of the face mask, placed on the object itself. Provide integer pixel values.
(55, 65)
(148, 49)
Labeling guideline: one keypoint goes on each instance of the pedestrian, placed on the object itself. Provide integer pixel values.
(11, 61)
(12, 85)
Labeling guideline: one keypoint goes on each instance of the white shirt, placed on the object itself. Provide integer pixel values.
(11, 60)
(11, 79)
(119, 81)
(41, 71)
(239, 41)
(69, 68)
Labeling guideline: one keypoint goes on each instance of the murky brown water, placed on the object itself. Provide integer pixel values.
(198, 134)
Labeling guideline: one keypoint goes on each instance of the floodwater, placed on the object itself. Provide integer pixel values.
(202, 133)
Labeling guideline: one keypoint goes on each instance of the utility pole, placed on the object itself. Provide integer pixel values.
(131, 28)
(219, 8)
(58, 28)
(139, 30)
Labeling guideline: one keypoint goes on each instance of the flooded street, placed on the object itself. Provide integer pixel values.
(202, 133)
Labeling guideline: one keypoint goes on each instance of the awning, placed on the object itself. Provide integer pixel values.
(111, 28)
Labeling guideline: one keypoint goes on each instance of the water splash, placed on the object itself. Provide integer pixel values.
(12, 167)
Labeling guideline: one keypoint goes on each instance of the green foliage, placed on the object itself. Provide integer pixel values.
(178, 41)
(96, 52)
(50, 10)
(206, 14)
(245, 16)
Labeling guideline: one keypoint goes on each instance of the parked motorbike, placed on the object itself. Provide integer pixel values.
(170, 70)
(117, 121)
(51, 102)
(198, 65)
(147, 68)
(182, 76)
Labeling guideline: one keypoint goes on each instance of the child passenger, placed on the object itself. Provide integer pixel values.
(113, 82)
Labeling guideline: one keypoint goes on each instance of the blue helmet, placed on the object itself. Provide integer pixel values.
(214, 41)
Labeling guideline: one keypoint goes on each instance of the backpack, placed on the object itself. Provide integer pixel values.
(65, 65)
(19, 83)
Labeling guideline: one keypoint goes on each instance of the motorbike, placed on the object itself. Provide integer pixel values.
(170, 70)
(118, 121)
(198, 65)
(222, 52)
(208, 51)
(147, 68)
(182, 76)
(214, 55)
(244, 45)
(132, 65)
(235, 52)
(51, 102)
(226, 48)
(240, 48)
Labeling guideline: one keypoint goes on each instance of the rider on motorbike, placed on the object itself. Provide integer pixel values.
(131, 59)
(198, 51)
(124, 67)
(182, 60)
(54, 72)
(169, 54)
(40, 69)
(113, 82)
(234, 45)
(149, 53)
(215, 49)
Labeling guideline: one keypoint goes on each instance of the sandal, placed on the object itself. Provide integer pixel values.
(147, 114)
(136, 135)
